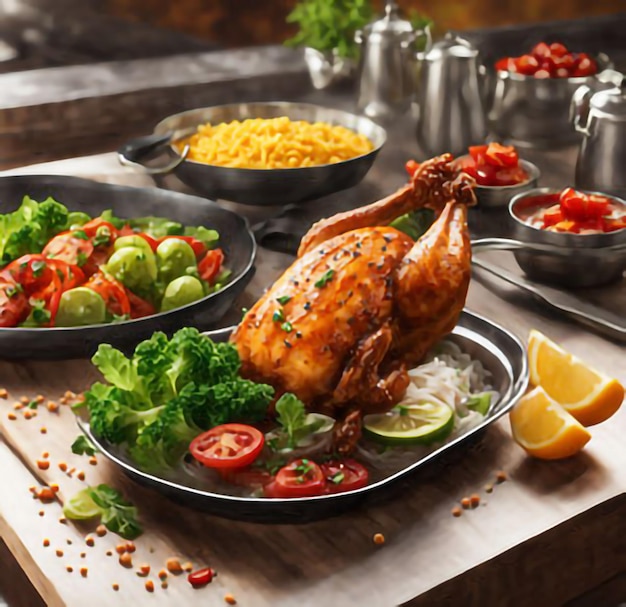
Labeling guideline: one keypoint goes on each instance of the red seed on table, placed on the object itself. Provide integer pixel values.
(101, 530)
(59, 553)
(115, 587)
(46, 542)
(474, 500)
(89, 541)
(83, 571)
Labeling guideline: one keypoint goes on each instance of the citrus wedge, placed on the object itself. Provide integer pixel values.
(545, 429)
(590, 396)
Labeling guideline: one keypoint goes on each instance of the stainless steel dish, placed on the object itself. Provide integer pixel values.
(494, 197)
(501, 353)
(93, 198)
(581, 260)
(534, 112)
(262, 187)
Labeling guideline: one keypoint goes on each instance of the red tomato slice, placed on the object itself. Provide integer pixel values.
(300, 478)
(197, 245)
(477, 152)
(558, 50)
(501, 155)
(71, 276)
(210, 266)
(541, 51)
(111, 291)
(411, 167)
(552, 216)
(153, 242)
(510, 176)
(246, 477)
(91, 227)
(527, 65)
(32, 272)
(228, 446)
(344, 475)
(485, 174)
(139, 307)
(69, 248)
(13, 302)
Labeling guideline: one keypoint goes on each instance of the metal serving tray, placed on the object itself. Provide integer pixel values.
(501, 353)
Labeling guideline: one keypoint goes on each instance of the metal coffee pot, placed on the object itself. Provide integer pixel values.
(388, 65)
(450, 98)
(599, 113)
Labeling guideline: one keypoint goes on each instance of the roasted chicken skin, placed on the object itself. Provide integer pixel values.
(363, 299)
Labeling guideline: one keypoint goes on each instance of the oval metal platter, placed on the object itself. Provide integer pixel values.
(500, 352)
(92, 197)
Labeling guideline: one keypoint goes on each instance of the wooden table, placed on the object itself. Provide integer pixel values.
(547, 535)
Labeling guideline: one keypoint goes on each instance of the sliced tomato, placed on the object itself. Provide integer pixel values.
(246, 477)
(411, 167)
(558, 50)
(50, 295)
(197, 245)
(477, 152)
(541, 51)
(300, 478)
(31, 271)
(501, 155)
(126, 230)
(139, 307)
(200, 578)
(13, 302)
(71, 276)
(70, 248)
(91, 227)
(111, 291)
(153, 242)
(510, 176)
(552, 216)
(485, 174)
(211, 264)
(228, 446)
(344, 475)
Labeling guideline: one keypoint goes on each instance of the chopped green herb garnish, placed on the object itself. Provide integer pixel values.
(325, 279)
(81, 259)
(286, 326)
(83, 446)
(103, 236)
(278, 316)
(13, 290)
(337, 478)
(284, 299)
(38, 268)
(81, 234)
(33, 404)
(61, 275)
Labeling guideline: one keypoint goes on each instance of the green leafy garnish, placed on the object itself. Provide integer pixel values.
(287, 327)
(296, 425)
(325, 279)
(117, 515)
(169, 392)
(80, 234)
(102, 237)
(330, 24)
(414, 224)
(337, 478)
(83, 446)
(278, 316)
(285, 299)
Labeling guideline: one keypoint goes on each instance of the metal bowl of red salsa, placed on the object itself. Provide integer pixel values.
(586, 230)
(499, 172)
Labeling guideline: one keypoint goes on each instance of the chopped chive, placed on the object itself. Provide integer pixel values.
(279, 316)
(325, 279)
(284, 299)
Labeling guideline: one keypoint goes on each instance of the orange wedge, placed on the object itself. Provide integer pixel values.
(590, 396)
(545, 429)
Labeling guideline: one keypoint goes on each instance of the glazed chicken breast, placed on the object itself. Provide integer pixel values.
(363, 300)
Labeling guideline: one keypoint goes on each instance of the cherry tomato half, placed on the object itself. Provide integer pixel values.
(501, 155)
(13, 302)
(228, 446)
(344, 475)
(71, 276)
(202, 577)
(211, 264)
(111, 291)
(139, 307)
(69, 247)
(31, 271)
(300, 478)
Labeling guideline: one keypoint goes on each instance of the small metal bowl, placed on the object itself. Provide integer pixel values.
(579, 260)
(535, 112)
(494, 197)
(260, 187)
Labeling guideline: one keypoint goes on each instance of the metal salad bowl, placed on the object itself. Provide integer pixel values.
(91, 197)
(499, 196)
(500, 352)
(260, 187)
(560, 258)
(535, 112)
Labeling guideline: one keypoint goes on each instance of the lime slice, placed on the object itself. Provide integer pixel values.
(81, 507)
(421, 424)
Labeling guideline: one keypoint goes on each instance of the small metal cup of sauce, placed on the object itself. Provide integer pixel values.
(589, 259)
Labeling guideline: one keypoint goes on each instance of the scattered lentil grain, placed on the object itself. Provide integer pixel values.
(126, 560)
(230, 599)
(24, 400)
(456, 511)
(52, 406)
(11, 416)
(69, 568)
(109, 553)
(90, 541)
(173, 565)
(120, 548)
(93, 461)
(17, 406)
(54, 487)
(162, 574)
(46, 542)
(39, 399)
(466, 503)
(83, 555)
(188, 567)
(379, 539)
(474, 500)
(62, 466)
(43, 464)
(59, 553)
(45, 455)
(81, 475)
(28, 414)
(149, 585)
(84, 571)
(43, 430)
(115, 587)
(69, 542)
(489, 488)
(101, 530)
(501, 476)
(164, 584)
(63, 520)
(4, 393)
(41, 513)
(130, 547)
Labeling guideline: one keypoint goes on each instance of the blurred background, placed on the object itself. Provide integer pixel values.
(249, 22)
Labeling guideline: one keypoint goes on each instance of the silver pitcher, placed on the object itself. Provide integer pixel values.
(599, 113)
(450, 98)
(388, 65)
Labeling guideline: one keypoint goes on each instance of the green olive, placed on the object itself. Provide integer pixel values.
(80, 306)
(174, 256)
(132, 241)
(180, 292)
(134, 267)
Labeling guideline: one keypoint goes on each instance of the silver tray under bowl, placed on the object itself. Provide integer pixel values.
(500, 352)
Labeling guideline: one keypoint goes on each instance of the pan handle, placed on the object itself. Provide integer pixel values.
(131, 153)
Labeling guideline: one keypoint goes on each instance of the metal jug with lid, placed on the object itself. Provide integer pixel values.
(599, 113)
(388, 65)
(450, 92)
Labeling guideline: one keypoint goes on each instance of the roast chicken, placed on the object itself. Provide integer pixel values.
(363, 301)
